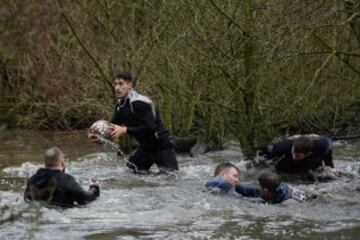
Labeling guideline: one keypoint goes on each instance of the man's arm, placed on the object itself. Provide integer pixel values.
(78, 193)
(248, 191)
(27, 193)
(218, 184)
(328, 159)
(325, 148)
(323, 151)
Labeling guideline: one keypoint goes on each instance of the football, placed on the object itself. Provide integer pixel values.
(99, 129)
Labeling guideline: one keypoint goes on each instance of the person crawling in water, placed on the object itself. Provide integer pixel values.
(226, 181)
(52, 185)
(299, 154)
(271, 189)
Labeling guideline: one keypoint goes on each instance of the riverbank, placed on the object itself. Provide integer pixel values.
(247, 70)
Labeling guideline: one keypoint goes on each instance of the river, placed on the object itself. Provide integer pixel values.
(167, 207)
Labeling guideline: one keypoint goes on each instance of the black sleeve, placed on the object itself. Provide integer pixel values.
(27, 193)
(114, 118)
(276, 149)
(327, 152)
(328, 159)
(78, 193)
(31, 192)
(146, 116)
(248, 191)
(322, 150)
(95, 189)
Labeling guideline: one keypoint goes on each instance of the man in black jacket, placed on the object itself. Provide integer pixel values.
(300, 153)
(136, 115)
(51, 184)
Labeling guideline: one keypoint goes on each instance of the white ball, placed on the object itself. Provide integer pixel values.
(100, 128)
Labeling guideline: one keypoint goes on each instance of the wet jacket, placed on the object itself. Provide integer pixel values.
(143, 122)
(218, 184)
(59, 188)
(284, 192)
(280, 153)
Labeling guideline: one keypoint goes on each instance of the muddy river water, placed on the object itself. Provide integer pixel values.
(167, 207)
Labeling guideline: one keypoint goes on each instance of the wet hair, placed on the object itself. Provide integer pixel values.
(269, 180)
(52, 157)
(224, 166)
(303, 145)
(122, 74)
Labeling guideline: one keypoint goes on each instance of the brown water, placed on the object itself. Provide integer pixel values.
(166, 207)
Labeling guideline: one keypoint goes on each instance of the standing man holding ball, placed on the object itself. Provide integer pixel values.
(136, 115)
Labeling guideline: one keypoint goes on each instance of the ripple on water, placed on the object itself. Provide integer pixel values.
(162, 207)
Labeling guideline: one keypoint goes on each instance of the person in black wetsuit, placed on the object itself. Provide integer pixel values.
(136, 115)
(51, 184)
(300, 153)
